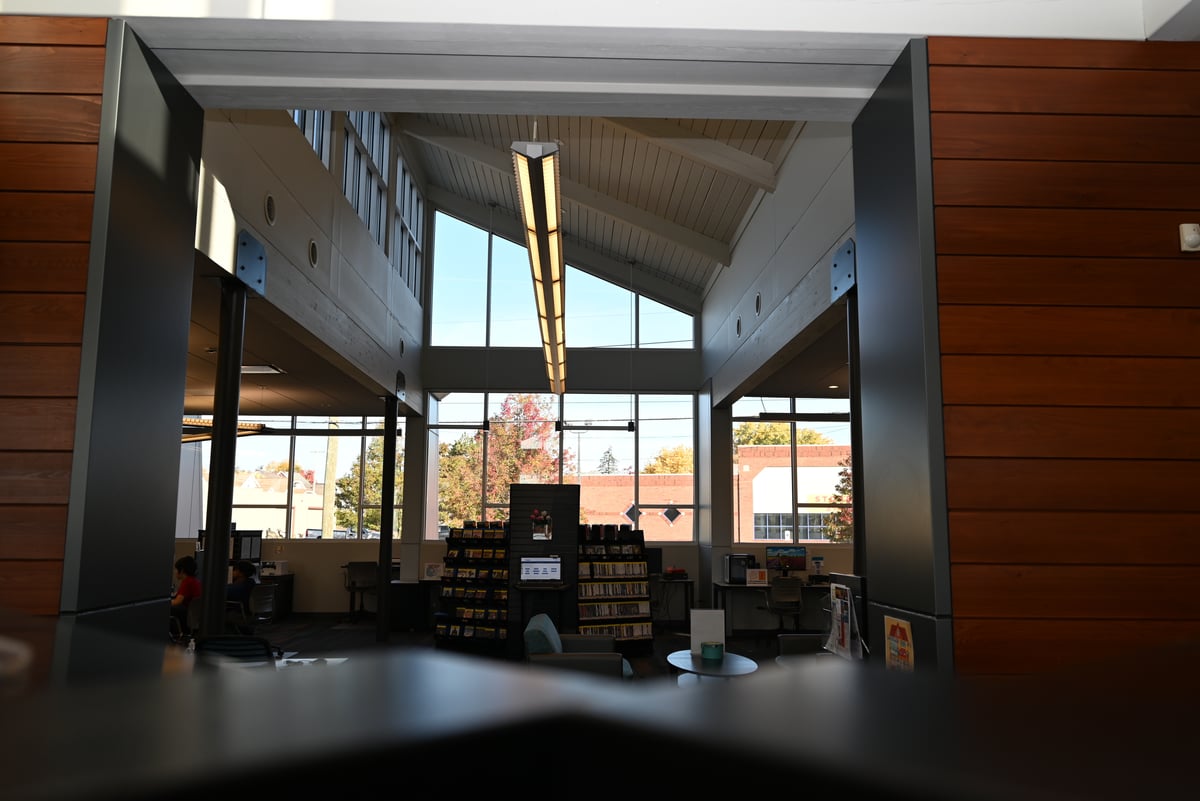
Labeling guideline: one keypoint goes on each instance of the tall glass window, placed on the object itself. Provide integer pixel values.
(459, 314)
(407, 248)
(593, 447)
(307, 478)
(601, 453)
(365, 171)
(315, 124)
(513, 306)
(661, 326)
(600, 314)
(792, 470)
(667, 465)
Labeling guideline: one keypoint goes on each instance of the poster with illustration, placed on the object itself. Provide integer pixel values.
(899, 654)
(843, 634)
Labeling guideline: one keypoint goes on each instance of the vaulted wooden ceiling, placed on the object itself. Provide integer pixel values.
(668, 143)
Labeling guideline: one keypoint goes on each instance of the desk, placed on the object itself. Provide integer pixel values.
(816, 602)
(556, 611)
(285, 589)
(732, 665)
(362, 579)
(413, 603)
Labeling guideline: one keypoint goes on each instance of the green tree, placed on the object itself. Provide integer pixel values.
(779, 433)
(608, 463)
(346, 489)
(460, 473)
(676, 460)
(517, 446)
(839, 524)
(518, 451)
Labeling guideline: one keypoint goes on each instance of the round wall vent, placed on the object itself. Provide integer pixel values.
(269, 208)
(737, 327)
(757, 304)
(313, 253)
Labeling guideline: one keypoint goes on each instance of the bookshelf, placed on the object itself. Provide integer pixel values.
(474, 594)
(614, 585)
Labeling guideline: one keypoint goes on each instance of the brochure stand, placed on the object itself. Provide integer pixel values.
(845, 636)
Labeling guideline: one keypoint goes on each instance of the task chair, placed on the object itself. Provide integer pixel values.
(236, 619)
(785, 598)
(243, 648)
(262, 603)
(544, 646)
(362, 578)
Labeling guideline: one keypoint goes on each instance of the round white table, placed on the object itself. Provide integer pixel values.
(728, 667)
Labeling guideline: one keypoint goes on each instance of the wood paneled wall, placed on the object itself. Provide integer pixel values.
(51, 75)
(1070, 341)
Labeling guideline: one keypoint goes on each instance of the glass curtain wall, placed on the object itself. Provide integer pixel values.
(632, 455)
(792, 470)
(593, 446)
(310, 478)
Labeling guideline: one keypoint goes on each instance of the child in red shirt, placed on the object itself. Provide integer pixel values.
(186, 591)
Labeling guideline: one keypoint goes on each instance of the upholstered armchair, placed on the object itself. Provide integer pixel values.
(545, 646)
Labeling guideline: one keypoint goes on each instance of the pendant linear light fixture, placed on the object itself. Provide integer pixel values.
(537, 166)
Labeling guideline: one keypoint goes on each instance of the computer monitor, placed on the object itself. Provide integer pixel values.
(786, 557)
(654, 560)
(541, 568)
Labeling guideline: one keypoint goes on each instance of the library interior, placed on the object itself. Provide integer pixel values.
(842, 444)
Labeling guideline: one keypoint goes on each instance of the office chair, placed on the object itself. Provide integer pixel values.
(361, 578)
(236, 619)
(262, 603)
(785, 598)
(791, 643)
(238, 648)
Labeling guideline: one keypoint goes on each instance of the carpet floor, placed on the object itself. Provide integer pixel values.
(333, 635)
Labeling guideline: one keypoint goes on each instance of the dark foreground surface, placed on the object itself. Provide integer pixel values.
(106, 718)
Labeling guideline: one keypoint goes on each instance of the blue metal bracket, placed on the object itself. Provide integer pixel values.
(842, 274)
(251, 262)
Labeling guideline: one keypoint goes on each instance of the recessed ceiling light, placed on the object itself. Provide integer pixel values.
(260, 369)
(833, 386)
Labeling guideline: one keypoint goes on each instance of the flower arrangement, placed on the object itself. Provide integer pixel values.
(540, 517)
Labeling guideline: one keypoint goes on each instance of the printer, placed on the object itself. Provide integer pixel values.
(279, 567)
(736, 565)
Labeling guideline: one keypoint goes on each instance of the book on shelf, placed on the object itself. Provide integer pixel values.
(474, 580)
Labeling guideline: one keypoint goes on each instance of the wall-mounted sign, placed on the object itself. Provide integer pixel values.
(899, 653)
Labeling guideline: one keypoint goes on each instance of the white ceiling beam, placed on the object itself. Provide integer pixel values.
(694, 146)
(572, 192)
(684, 22)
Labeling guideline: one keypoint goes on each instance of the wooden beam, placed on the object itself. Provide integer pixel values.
(573, 192)
(693, 146)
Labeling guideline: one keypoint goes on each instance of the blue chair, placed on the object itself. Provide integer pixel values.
(584, 652)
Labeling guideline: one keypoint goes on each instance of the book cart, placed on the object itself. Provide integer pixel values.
(614, 585)
(475, 589)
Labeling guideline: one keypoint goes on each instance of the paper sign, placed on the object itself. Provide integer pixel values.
(708, 625)
(899, 644)
(756, 575)
(845, 636)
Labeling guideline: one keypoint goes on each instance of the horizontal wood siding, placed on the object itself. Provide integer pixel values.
(51, 77)
(1070, 340)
